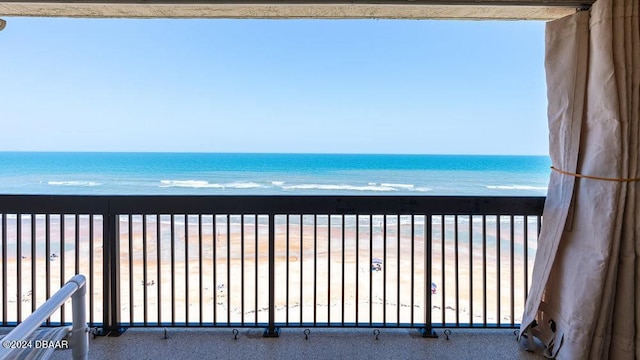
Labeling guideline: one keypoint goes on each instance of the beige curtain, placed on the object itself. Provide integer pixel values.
(585, 294)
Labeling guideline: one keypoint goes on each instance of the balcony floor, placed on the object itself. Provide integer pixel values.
(149, 343)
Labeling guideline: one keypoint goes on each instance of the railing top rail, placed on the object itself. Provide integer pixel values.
(53, 204)
(347, 205)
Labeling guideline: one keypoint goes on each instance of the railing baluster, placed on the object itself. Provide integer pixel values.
(428, 254)
(158, 265)
(91, 270)
(173, 270)
(526, 257)
(242, 314)
(214, 233)
(384, 270)
(200, 271)
(255, 267)
(357, 251)
(457, 268)
(145, 303)
(427, 331)
(130, 256)
(301, 269)
(19, 266)
(5, 300)
(471, 292)
(443, 276)
(77, 244)
(370, 270)
(315, 268)
(271, 329)
(413, 259)
(33, 263)
(228, 284)
(47, 263)
(484, 270)
(286, 225)
(499, 271)
(62, 265)
(342, 301)
(512, 275)
(186, 269)
(114, 268)
(398, 270)
(329, 270)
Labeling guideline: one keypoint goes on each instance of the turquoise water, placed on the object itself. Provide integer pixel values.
(270, 174)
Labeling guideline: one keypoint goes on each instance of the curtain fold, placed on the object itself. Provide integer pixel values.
(583, 301)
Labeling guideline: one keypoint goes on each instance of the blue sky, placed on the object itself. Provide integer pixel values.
(313, 86)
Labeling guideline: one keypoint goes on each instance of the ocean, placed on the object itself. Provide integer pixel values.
(271, 174)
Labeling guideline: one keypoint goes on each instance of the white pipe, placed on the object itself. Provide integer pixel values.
(33, 322)
(79, 334)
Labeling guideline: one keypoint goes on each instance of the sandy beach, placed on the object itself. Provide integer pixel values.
(220, 273)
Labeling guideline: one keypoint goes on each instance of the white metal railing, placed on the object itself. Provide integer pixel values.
(79, 343)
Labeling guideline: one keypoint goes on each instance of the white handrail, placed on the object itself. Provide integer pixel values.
(74, 288)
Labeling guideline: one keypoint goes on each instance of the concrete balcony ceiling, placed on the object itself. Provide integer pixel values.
(297, 9)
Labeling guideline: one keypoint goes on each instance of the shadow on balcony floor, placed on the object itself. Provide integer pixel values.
(350, 344)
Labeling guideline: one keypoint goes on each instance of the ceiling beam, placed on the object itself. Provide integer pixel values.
(569, 3)
(301, 9)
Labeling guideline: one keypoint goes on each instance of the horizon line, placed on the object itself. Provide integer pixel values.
(255, 153)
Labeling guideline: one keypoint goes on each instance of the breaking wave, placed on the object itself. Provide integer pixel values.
(74, 183)
(516, 187)
(205, 184)
(382, 187)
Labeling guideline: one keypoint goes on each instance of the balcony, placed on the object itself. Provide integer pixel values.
(404, 267)
(498, 344)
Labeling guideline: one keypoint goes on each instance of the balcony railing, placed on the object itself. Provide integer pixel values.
(272, 261)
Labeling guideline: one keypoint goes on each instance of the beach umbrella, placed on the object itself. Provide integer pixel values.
(376, 261)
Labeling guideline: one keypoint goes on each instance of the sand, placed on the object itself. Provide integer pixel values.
(223, 279)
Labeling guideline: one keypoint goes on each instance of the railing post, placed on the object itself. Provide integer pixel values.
(427, 331)
(111, 276)
(271, 330)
